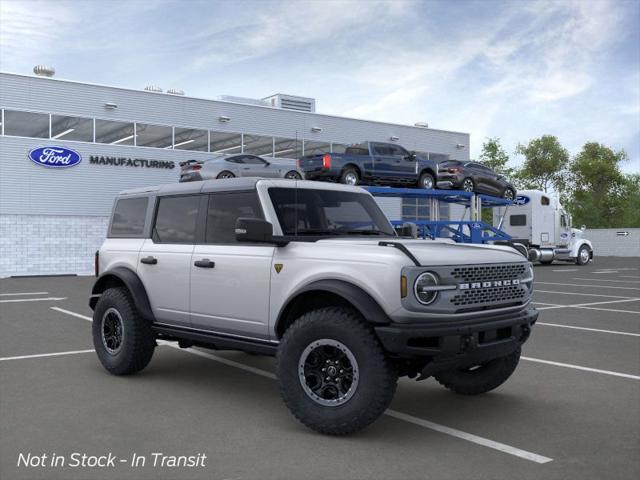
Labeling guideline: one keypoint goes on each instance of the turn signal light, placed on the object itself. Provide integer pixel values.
(326, 161)
(454, 170)
(403, 286)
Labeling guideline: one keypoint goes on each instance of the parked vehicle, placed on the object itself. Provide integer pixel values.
(242, 165)
(314, 274)
(372, 163)
(539, 224)
(474, 177)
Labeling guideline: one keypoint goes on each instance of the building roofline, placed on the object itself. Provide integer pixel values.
(231, 103)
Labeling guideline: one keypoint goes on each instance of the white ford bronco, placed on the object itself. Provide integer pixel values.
(314, 274)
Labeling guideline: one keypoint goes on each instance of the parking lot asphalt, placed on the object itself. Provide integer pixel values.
(571, 410)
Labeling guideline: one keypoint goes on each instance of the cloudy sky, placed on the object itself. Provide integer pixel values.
(515, 69)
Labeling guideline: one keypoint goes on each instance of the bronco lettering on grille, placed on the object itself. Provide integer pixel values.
(491, 284)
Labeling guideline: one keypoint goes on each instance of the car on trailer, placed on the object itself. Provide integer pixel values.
(242, 165)
(474, 177)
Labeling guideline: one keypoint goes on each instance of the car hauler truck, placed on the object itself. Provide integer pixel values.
(538, 221)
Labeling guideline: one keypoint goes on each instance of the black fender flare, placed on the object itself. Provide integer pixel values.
(133, 283)
(428, 169)
(356, 296)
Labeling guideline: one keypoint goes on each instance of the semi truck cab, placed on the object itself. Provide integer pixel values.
(540, 223)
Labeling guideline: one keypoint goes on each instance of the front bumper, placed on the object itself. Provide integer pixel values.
(452, 345)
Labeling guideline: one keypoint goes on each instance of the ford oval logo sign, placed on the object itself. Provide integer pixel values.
(521, 200)
(55, 157)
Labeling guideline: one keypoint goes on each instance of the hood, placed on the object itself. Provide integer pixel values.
(443, 252)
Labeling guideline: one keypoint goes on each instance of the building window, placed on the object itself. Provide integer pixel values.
(316, 148)
(191, 139)
(225, 143)
(258, 145)
(114, 133)
(156, 136)
(287, 147)
(517, 220)
(26, 124)
(71, 128)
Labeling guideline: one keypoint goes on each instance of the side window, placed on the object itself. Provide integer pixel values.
(224, 209)
(398, 151)
(518, 220)
(563, 220)
(544, 201)
(235, 160)
(128, 217)
(176, 219)
(253, 160)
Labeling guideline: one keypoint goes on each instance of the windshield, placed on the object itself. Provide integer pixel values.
(303, 211)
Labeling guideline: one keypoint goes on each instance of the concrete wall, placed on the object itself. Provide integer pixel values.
(606, 242)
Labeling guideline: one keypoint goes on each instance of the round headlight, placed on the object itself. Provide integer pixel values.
(422, 288)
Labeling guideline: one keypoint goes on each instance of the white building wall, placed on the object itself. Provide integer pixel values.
(48, 245)
(608, 242)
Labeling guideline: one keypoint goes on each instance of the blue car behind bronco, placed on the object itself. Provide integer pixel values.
(372, 163)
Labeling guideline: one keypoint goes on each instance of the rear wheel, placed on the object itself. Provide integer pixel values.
(293, 175)
(350, 176)
(225, 174)
(333, 374)
(480, 378)
(584, 255)
(123, 339)
(468, 185)
(426, 181)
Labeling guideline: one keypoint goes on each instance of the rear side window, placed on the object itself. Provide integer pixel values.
(224, 209)
(128, 217)
(518, 220)
(176, 219)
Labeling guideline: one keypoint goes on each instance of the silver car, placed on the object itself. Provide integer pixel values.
(242, 165)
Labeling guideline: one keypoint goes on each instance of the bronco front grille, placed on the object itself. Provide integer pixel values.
(484, 273)
(495, 295)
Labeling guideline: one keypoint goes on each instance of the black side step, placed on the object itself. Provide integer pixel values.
(215, 341)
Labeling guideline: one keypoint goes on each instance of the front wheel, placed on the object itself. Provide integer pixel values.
(509, 194)
(468, 185)
(480, 378)
(123, 339)
(426, 181)
(584, 255)
(332, 372)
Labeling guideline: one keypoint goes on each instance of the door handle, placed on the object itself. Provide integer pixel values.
(204, 263)
(149, 260)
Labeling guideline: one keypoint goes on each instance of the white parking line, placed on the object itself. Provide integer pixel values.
(580, 367)
(615, 332)
(46, 299)
(533, 457)
(41, 355)
(23, 293)
(584, 294)
(607, 271)
(582, 305)
(566, 270)
(588, 286)
(610, 310)
(629, 276)
(73, 314)
(605, 280)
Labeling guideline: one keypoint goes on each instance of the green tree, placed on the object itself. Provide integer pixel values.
(630, 216)
(599, 194)
(545, 164)
(495, 157)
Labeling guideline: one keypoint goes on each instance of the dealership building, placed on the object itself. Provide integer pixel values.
(53, 219)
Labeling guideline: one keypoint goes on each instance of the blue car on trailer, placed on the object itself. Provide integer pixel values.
(372, 163)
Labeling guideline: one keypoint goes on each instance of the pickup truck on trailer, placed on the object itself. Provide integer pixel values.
(314, 274)
(372, 163)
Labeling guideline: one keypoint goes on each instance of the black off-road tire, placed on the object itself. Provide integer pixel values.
(483, 379)
(138, 340)
(377, 380)
(427, 177)
(349, 173)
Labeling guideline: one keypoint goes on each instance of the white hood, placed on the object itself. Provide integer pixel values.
(442, 252)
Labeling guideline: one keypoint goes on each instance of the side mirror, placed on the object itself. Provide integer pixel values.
(255, 230)
(411, 156)
(407, 229)
(266, 164)
(583, 228)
